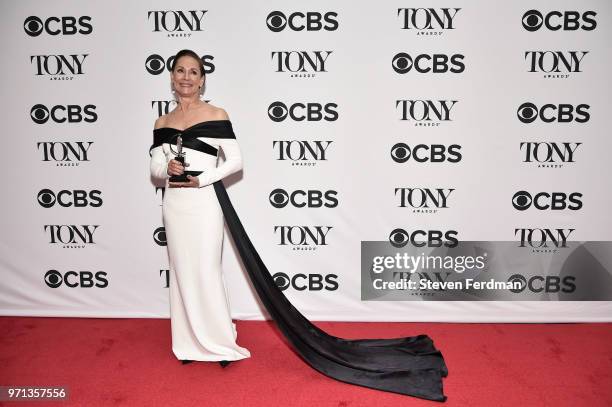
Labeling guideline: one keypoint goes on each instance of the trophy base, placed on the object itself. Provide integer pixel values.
(178, 178)
(183, 176)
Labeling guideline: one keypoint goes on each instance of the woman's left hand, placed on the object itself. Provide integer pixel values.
(193, 182)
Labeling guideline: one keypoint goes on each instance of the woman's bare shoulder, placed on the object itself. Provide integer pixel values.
(216, 113)
(161, 121)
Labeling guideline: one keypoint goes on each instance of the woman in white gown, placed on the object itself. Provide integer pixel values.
(201, 324)
(194, 212)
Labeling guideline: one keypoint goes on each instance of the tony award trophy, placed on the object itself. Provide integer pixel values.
(180, 157)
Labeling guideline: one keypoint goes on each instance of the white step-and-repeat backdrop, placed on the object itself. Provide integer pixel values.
(471, 120)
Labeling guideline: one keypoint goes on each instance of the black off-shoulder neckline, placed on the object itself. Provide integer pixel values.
(193, 126)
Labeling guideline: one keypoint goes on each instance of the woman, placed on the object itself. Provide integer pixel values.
(202, 328)
(407, 365)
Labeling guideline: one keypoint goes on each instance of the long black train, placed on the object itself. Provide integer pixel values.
(406, 365)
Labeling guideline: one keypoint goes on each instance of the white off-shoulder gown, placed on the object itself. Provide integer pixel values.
(201, 323)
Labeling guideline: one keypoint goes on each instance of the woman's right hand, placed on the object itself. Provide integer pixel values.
(175, 167)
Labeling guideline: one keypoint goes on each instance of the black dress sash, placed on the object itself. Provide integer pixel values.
(210, 128)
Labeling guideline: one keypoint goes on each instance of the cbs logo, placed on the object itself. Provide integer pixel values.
(437, 63)
(533, 20)
(34, 26)
(78, 198)
(310, 282)
(279, 198)
(311, 112)
(311, 21)
(547, 284)
(419, 238)
(522, 200)
(40, 114)
(435, 153)
(85, 279)
(548, 113)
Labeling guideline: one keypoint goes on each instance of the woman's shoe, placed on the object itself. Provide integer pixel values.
(224, 363)
(186, 361)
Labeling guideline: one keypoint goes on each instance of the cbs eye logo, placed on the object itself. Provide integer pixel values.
(39, 113)
(53, 278)
(279, 198)
(46, 198)
(33, 26)
(155, 64)
(527, 112)
(522, 200)
(532, 20)
(400, 152)
(399, 238)
(278, 111)
(520, 279)
(159, 236)
(281, 280)
(276, 21)
(402, 62)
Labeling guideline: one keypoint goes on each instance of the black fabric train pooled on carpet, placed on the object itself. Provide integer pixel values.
(408, 365)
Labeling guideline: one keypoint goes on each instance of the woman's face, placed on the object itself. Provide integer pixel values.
(186, 77)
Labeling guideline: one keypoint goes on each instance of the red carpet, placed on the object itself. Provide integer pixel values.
(129, 362)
